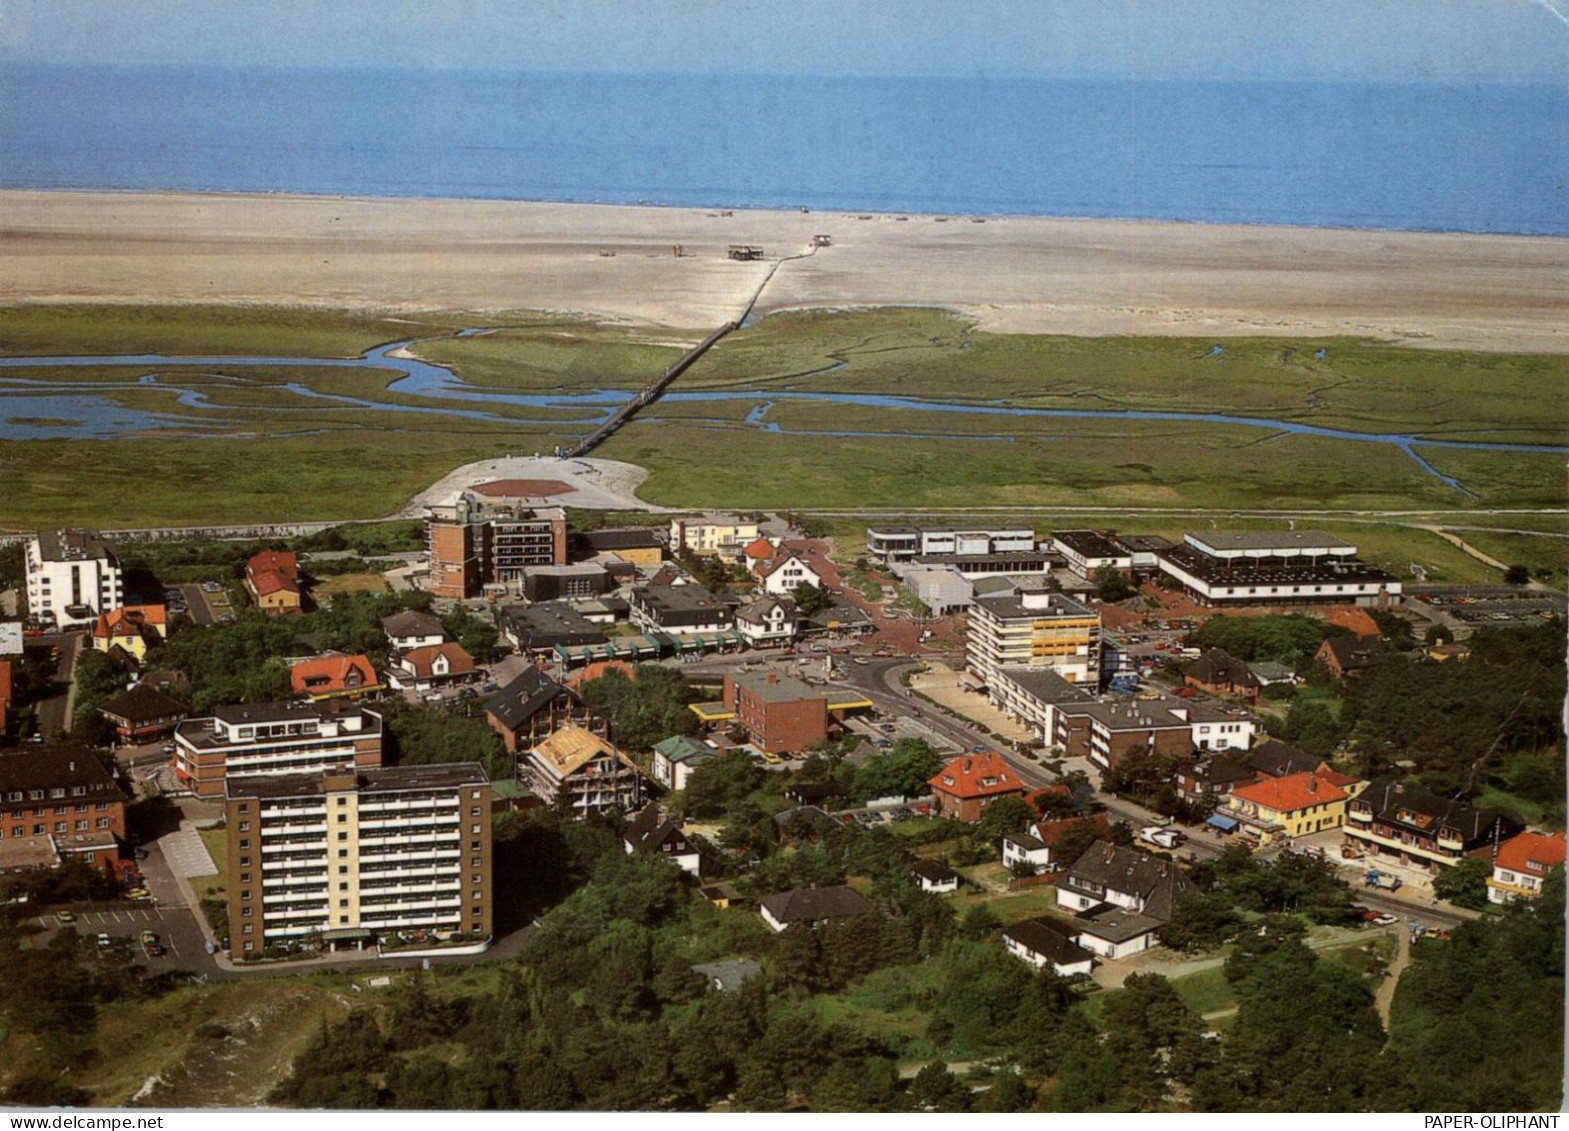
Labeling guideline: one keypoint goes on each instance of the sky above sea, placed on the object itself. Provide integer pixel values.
(1458, 155)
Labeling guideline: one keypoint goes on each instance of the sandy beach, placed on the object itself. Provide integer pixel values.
(619, 264)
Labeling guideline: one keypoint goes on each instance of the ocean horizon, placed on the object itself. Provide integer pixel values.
(1407, 157)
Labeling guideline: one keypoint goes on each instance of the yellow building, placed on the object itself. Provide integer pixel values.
(1033, 629)
(1296, 805)
(131, 629)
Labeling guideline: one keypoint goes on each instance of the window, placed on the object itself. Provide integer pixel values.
(343, 887)
(245, 826)
(19, 830)
(81, 826)
(246, 912)
(474, 863)
(343, 903)
(249, 945)
(101, 806)
(61, 810)
(245, 807)
(343, 869)
(245, 861)
(60, 826)
(343, 819)
(475, 830)
(245, 877)
(343, 836)
(82, 808)
(343, 801)
(474, 812)
(343, 853)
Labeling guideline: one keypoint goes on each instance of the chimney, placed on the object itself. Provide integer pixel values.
(772, 678)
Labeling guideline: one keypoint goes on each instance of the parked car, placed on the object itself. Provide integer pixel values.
(149, 937)
(1384, 919)
(1161, 837)
(64, 918)
(104, 940)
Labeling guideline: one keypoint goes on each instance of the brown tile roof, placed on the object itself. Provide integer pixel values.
(976, 775)
(128, 621)
(421, 661)
(1532, 853)
(329, 674)
(1290, 793)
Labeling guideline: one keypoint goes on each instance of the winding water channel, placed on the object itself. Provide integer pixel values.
(56, 408)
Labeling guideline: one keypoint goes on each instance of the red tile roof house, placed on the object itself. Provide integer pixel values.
(273, 578)
(330, 677)
(1522, 864)
(966, 786)
(424, 668)
(1037, 845)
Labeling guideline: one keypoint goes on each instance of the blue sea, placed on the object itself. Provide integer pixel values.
(1475, 158)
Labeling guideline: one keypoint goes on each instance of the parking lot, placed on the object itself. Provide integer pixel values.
(177, 934)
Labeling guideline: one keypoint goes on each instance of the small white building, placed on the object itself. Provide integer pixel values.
(931, 876)
(1047, 942)
(1117, 933)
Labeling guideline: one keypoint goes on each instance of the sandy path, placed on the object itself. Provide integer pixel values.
(1014, 274)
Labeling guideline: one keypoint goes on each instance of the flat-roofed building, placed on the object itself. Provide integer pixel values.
(1033, 628)
(343, 859)
(273, 739)
(901, 543)
(1281, 567)
(680, 610)
(477, 541)
(73, 576)
(1034, 695)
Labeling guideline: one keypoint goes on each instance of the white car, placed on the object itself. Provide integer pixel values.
(1160, 837)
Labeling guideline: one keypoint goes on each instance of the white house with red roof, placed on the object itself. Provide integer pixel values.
(785, 572)
(273, 579)
(967, 785)
(424, 668)
(1521, 865)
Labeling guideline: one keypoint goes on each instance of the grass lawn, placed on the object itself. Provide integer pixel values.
(1533, 813)
(1205, 991)
(328, 588)
(216, 841)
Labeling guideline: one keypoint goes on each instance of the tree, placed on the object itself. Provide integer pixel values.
(1004, 815)
(1112, 585)
(646, 709)
(1201, 921)
(900, 771)
(1464, 884)
(811, 599)
(1517, 575)
(720, 783)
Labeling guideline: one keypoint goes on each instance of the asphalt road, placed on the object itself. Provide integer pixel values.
(54, 713)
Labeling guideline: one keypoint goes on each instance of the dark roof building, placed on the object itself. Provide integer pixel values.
(1422, 828)
(551, 624)
(141, 713)
(1110, 873)
(1277, 759)
(530, 707)
(1345, 655)
(812, 906)
(1044, 941)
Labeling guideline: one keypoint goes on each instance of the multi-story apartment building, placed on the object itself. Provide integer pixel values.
(724, 535)
(902, 543)
(1034, 628)
(272, 739)
(476, 542)
(63, 794)
(72, 577)
(342, 859)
